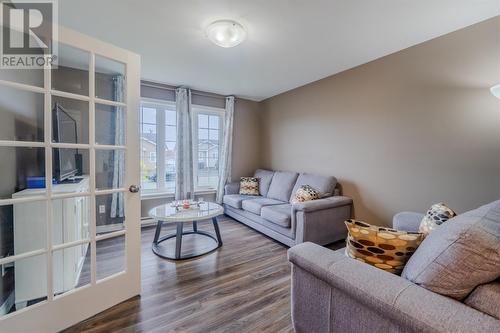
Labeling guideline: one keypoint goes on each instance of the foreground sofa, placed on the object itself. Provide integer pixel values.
(334, 293)
(319, 221)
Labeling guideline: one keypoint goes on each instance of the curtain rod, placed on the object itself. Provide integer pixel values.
(172, 88)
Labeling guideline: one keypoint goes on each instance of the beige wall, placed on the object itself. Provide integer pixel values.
(402, 132)
(246, 139)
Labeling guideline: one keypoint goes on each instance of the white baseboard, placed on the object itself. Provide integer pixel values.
(109, 227)
(146, 222)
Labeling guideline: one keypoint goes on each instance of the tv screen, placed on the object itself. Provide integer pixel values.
(64, 129)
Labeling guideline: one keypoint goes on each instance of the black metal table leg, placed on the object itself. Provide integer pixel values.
(178, 240)
(165, 252)
(157, 232)
(217, 231)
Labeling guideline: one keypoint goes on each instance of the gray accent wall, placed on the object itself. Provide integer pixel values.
(402, 132)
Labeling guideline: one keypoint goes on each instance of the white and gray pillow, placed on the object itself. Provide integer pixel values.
(306, 193)
(435, 216)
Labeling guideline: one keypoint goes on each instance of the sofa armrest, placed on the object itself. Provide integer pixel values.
(232, 188)
(325, 203)
(321, 221)
(407, 221)
(395, 299)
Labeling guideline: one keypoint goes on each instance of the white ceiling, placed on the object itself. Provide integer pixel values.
(290, 42)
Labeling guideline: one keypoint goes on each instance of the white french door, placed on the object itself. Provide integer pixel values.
(70, 247)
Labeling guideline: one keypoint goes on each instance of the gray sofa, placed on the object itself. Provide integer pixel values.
(334, 293)
(319, 221)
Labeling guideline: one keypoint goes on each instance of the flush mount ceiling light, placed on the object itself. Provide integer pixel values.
(226, 33)
(495, 90)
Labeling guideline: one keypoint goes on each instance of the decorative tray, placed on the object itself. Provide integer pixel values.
(192, 206)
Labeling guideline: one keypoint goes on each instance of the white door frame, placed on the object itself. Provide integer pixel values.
(59, 312)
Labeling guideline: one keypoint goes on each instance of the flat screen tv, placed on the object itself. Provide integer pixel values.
(64, 130)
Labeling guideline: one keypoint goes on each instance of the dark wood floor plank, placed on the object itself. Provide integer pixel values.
(244, 286)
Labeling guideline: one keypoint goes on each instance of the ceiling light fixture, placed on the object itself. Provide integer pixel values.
(495, 90)
(226, 33)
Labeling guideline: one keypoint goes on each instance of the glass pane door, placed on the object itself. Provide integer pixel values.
(69, 227)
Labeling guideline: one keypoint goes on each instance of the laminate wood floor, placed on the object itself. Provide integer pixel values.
(244, 286)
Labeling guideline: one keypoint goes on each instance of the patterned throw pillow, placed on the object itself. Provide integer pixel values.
(249, 186)
(435, 216)
(384, 248)
(306, 193)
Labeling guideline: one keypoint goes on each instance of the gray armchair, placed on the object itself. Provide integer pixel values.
(408, 221)
(334, 293)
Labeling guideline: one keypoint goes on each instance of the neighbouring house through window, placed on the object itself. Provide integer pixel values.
(207, 141)
(158, 134)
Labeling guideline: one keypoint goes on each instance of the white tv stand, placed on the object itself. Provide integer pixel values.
(70, 222)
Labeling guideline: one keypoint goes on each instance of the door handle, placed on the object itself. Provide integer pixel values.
(134, 188)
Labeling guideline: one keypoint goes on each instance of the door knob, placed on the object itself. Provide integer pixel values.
(134, 188)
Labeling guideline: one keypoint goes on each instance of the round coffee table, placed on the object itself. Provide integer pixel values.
(168, 214)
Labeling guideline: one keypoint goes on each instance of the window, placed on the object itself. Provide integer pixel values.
(158, 146)
(207, 124)
(148, 145)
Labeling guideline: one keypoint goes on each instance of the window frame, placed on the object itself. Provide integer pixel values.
(152, 156)
(161, 106)
(207, 110)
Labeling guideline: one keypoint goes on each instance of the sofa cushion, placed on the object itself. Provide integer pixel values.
(384, 248)
(235, 200)
(265, 178)
(261, 224)
(435, 216)
(486, 298)
(255, 205)
(459, 255)
(282, 185)
(279, 214)
(324, 184)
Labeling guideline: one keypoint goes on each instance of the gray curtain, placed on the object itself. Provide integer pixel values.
(184, 186)
(117, 202)
(226, 149)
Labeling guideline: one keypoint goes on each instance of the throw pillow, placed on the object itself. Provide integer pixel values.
(435, 216)
(384, 248)
(249, 186)
(306, 193)
(459, 255)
